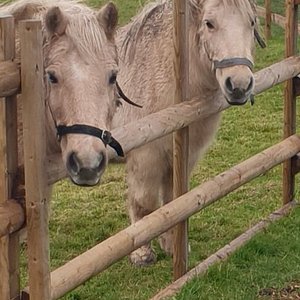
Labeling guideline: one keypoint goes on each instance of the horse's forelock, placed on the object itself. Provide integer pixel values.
(89, 36)
(246, 7)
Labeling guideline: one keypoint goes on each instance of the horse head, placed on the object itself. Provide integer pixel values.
(81, 66)
(226, 36)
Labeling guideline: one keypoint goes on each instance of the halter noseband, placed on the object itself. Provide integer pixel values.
(104, 135)
(230, 62)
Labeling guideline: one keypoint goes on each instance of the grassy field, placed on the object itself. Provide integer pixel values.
(82, 217)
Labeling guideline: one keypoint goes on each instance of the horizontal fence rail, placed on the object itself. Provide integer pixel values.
(9, 78)
(100, 257)
(223, 253)
(12, 217)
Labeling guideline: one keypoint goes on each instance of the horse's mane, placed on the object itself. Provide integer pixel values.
(140, 20)
(154, 9)
(82, 21)
(242, 5)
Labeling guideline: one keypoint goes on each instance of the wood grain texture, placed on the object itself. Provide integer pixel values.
(9, 244)
(180, 137)
(291, 32)
(32, 73)
(268, 19)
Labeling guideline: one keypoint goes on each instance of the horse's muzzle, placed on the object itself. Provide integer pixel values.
(237, 79)
(86, 175)
(236, 95)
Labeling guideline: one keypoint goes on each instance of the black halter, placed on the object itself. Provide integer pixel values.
(104, 135)
(259, 39)
(124, 97)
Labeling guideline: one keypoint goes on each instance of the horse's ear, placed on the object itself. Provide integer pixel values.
(108, 18)
(56, 22)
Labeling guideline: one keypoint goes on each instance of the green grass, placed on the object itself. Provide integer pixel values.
(269, 261)
(127, 9)
(277, 6)
(82, 217)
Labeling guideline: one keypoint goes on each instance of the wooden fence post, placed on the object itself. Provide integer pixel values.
(291, 32)
(9, 245)
(268, 19)
(32, 72)
(181, 137)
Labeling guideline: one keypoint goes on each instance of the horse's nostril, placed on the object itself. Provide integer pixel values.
(101, 161)
(228, 84)
(73, 163)
(250, 86)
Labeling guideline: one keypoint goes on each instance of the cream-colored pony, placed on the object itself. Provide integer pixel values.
(81, 64)
(221, 39)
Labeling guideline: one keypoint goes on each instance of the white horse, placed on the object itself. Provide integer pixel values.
(221, 39)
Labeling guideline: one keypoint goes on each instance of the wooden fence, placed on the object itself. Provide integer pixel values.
(271, 17)
(39, 172)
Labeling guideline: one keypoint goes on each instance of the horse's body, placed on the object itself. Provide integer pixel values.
(218, 30)
(80, 62)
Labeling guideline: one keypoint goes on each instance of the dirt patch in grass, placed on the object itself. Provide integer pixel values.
(291, 291)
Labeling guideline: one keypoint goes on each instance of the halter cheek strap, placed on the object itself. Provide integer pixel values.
(259, 39)
(104, 135)
(124, 97)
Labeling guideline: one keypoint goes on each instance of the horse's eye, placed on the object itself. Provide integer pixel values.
(252, 23)
(113, 78)
(52, 78)
(209, 24)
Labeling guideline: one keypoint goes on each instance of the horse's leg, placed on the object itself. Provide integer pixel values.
(201, 134)
(144, 174)
(166, 239)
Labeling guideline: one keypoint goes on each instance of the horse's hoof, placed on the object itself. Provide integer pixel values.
(143, 256)
(166, 242)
